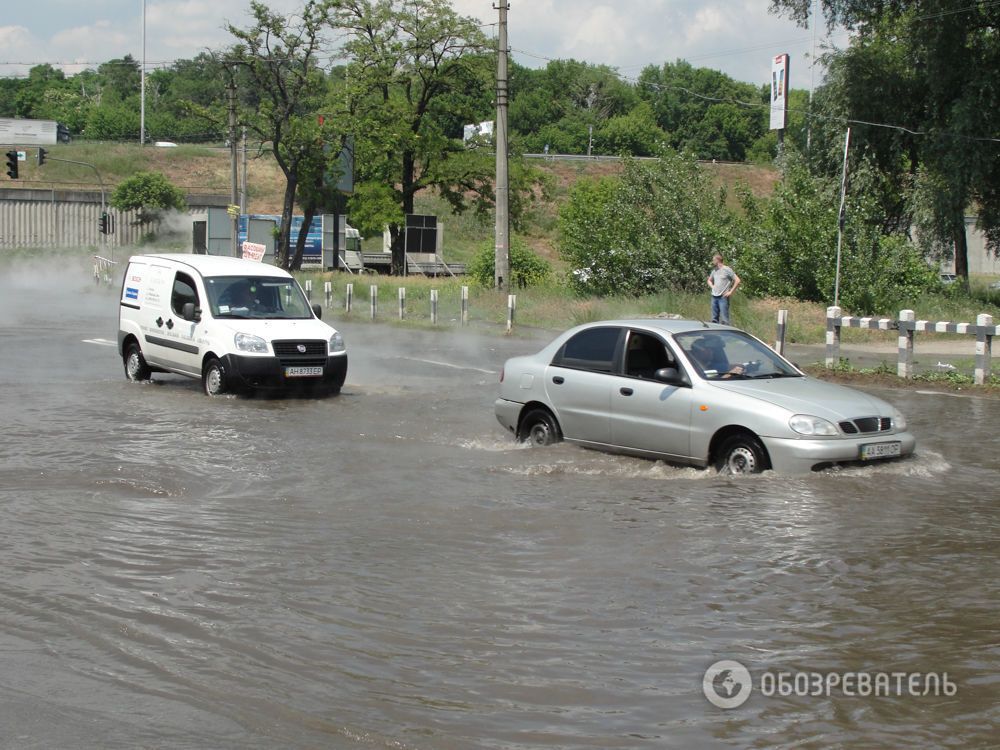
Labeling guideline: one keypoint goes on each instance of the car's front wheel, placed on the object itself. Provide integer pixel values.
(539, 428)
(213, 378)
(742, 454)
(136, 368)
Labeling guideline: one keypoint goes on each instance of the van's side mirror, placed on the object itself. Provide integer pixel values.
(669, 375)
(318, 311)
(190, 312)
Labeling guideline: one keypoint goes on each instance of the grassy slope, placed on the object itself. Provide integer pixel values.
(206, 170)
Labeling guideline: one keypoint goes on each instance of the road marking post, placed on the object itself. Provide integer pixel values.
(511, 306)
(309, 289)
(434, 306)
(904, 367)
(465, 305)
(373, 300)
(327, 293)
(984, 348)
(401, 296)
(349, 298)
(832, 336)
(779, 344)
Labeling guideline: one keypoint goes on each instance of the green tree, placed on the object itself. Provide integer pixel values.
(410, 64)
(275, 62)
(526, 268)
(149, 193)
(930, 66)
(656, 226)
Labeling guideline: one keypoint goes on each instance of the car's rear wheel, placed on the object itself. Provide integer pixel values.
(539, 428)
(136, 368)
(213, 378)
(742, 454)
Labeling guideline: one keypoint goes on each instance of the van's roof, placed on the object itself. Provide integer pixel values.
(216, 265)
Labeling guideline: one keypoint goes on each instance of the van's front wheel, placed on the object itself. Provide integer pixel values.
(136, 368)
(213, 378)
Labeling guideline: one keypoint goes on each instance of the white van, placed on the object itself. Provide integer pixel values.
(236, 324)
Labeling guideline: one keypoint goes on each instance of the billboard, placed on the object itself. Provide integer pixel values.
(779, 92)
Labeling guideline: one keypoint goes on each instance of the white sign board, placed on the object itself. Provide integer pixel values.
(779, 92)
(253, 251)
(476, 129)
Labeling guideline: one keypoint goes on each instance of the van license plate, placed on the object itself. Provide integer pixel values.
(303, 372)
(881, 450)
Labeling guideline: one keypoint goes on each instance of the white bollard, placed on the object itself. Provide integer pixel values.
(779, 344)
(309, 289)
(511, 306)
(349, 298)
(327, 293)
(434, 306)
(465, 305)
(373, 300)
(904, 367)
(402, 302)
(832, 336)
(984, 348)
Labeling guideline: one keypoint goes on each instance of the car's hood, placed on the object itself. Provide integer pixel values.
(807, 395)
(304, 328)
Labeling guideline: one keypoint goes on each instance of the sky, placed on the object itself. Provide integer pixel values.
(738, 37)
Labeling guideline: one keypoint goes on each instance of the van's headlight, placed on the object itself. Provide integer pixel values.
(898, 420)
(804, 424)
(336, 343)
(247, 342)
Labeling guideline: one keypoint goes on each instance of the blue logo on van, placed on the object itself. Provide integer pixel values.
(131, 293)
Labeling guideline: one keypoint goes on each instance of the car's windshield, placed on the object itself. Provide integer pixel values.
(256, 297)
(720, 354)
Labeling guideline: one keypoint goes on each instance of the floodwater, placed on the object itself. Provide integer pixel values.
(386, 569)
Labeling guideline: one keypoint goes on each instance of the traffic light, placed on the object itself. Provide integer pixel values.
(41, 156)
(103, 223)
(12, 164)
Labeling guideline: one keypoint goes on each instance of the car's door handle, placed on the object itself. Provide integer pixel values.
(170, 324)
(558, 379)
(159, 322)
(626, 391)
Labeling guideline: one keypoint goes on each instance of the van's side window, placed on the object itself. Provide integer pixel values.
(184, 291)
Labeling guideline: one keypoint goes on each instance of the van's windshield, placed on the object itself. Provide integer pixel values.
(256, 297)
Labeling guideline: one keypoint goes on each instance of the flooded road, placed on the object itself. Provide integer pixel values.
(386, 569)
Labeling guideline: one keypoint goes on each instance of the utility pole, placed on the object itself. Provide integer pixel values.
(243, 175)
(142, 82)
(501, 258)
(233, 197)
(841, 217)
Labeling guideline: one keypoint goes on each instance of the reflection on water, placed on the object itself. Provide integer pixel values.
(388, 569)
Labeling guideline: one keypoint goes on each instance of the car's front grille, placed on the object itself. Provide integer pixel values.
(865, 425)
(291, 348)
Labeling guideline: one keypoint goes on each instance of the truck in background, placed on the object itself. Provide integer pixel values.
(16, 132)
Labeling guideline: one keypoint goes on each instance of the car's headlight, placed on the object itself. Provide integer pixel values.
(247, 342)
(336, 343)
(898, 420)
(804, 424)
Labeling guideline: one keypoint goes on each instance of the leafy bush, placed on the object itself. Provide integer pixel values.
(149, 193)
(655, 227)
(526, 268)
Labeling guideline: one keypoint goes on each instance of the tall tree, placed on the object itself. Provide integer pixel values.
(944, 60)
(276, 64)
(412, 66)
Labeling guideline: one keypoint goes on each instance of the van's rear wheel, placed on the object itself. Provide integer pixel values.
(742, 454)
(213, 378)
(136, 368)
(539, 428)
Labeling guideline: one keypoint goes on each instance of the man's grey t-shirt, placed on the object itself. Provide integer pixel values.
(722, 279)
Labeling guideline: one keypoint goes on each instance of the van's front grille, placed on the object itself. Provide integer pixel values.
(866, 424)
(291, 349)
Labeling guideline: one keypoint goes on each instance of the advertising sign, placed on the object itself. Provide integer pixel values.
(253, 251)
(779, 92)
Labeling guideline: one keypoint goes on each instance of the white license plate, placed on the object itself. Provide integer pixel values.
(881, 450)
(303, 372)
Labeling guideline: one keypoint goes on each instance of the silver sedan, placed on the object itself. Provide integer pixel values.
(693, 393)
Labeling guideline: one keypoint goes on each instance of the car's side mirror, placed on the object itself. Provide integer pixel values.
(669, 375)
(318, 311)
(190, 312)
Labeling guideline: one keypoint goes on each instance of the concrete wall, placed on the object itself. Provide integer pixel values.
(63, 218)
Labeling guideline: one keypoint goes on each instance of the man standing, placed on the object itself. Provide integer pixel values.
(723, 282)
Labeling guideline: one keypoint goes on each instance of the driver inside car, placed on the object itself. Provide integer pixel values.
(710, 354)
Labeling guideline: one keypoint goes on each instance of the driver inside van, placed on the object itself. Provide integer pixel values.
(240, 296)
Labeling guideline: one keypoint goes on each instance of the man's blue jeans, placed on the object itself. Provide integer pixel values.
(720, 310)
